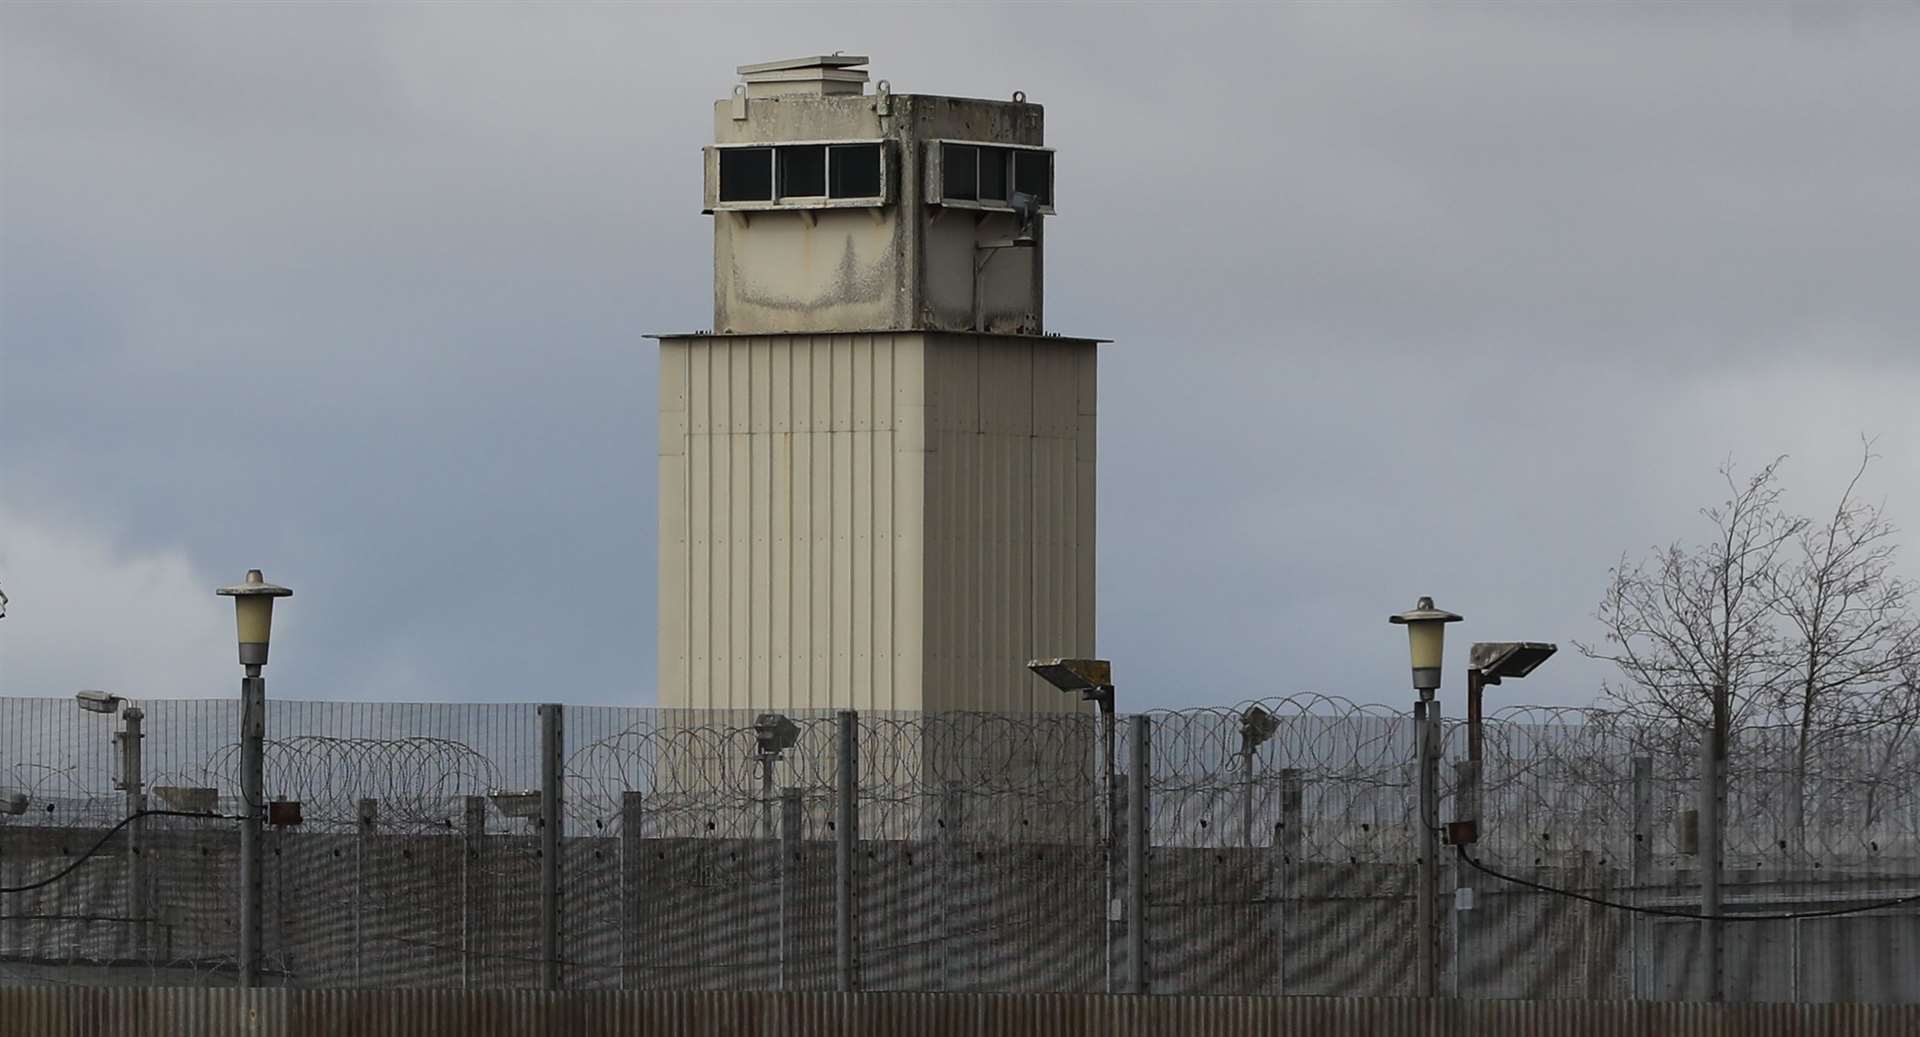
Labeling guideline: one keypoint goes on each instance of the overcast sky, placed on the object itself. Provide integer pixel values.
(1455, 301)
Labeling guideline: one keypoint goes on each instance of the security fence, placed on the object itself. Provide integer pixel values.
(1272, 849)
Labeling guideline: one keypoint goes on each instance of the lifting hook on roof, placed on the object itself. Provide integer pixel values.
(883, 98)
(740, 102)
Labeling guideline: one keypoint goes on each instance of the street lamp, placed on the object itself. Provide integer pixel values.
(1426, 643)
(98, 701)
(1488, 662)
(1426, 639)
(131, 781)
(253, 616)
(1257, 725)
(773, 734)
(1092, 680)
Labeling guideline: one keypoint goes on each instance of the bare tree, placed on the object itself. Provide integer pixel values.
(1692, 630)
(1848, 631)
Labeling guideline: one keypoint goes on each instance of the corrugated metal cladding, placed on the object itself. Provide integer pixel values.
(873, 521)
(100, 1012)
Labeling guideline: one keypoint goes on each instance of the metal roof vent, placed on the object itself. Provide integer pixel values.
(815, 75)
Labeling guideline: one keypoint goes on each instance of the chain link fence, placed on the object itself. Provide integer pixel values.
(1271, 849)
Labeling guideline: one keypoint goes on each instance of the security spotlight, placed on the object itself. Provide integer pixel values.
(1256, 726)
(1497, 659)
(98, 701)
(775, 733)
(1091, 679)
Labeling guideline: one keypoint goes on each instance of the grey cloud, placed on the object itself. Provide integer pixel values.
(1453, 301)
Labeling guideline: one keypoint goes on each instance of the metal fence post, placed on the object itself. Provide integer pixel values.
(1288, 842)
(473, 830)
(632, 827)
(253, 800)
(1427, 846)
(792, 820)
(1139, 838)
(1466, 782)
(946, 884)
(367, 815)
(1639, 865)
(131, 778)
(846, 844)
(1712, 788)
(552, 821)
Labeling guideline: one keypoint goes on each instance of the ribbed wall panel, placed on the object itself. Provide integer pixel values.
(1010, 517)
(788, 528)
(873, 521)
(108, 1012)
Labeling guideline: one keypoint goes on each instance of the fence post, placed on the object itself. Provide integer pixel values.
(1139, 838)
(136, 789)
(846, 845)
(946, 883)
(792, 818)
(1466, 783)
(1638, 867)
(1288, 839)
(473, 830)
(1426, 956)
(1712, 788)
(367, 812)
(253, 800)
(632, 822)
(552, 821)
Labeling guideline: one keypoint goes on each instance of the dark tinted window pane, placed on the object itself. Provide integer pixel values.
(855, 171)
(1033, 174)
(993, 174)
(803, 171)
(959, 172)
(746, 174)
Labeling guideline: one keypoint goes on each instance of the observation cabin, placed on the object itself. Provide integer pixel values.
(877, 467)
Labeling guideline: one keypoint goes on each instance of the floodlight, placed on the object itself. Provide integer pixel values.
(1256, 726)
(1426, 640)
(189, 799)
(1091, 679)
(14, 803)
(1497, 659)
(775, 733)
(523, 803)
(98, 701)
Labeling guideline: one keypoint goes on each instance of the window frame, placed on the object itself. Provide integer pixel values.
(800, 202)
(935, 155)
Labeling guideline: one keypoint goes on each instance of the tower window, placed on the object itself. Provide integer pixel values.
(803, 171)
(975, 175)
(960, 171)
(814, 174)
(1033, 174)
(853, 171)
(746, 174)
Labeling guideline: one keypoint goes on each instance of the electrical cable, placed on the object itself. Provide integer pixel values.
(1787, 916)
(111, 832)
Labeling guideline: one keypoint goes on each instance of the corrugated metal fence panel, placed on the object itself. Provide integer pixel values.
(125, 1012)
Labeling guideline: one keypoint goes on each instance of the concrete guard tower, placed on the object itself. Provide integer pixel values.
(877, 470)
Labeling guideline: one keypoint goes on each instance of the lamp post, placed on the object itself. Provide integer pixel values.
(1426, 642)
(131, 781)
(1256, 726)
(773, 734)
(1092, 680)
(253, 616)
(1489, 663)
